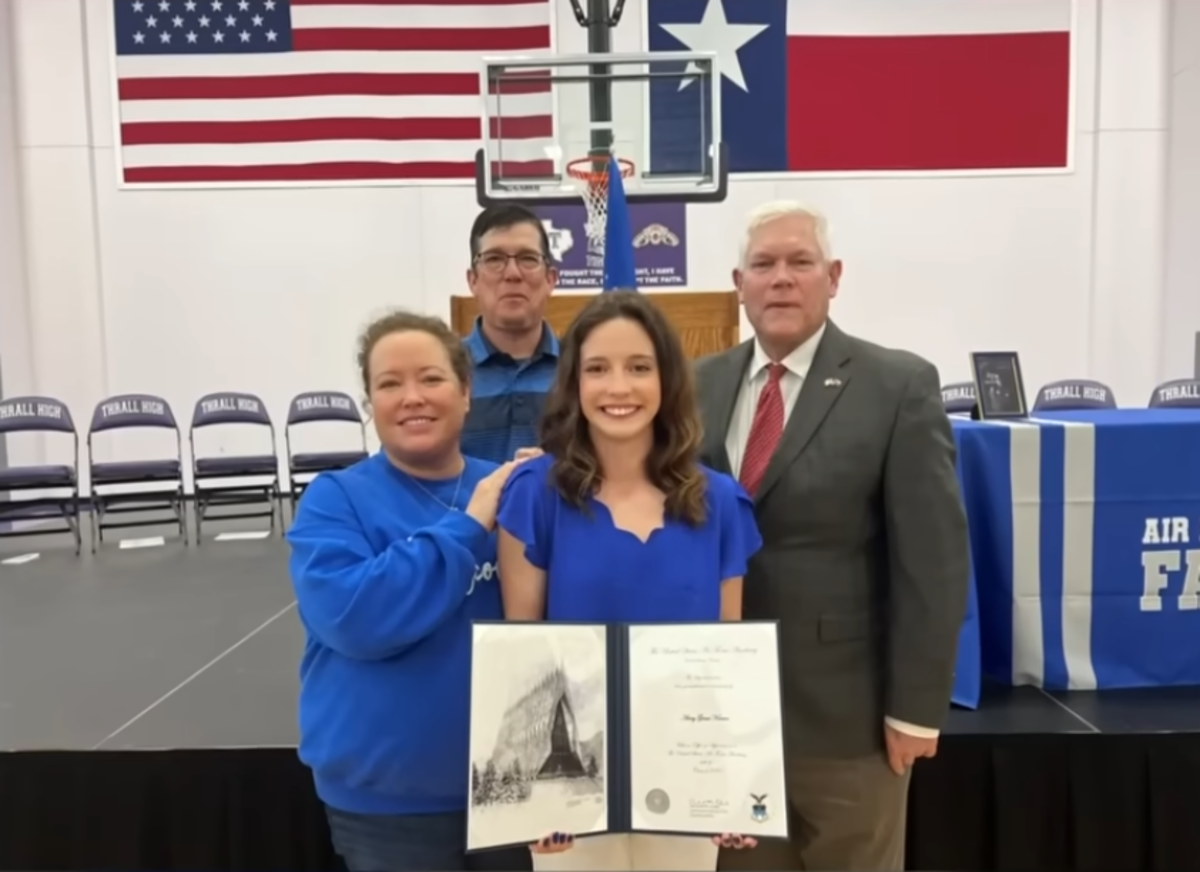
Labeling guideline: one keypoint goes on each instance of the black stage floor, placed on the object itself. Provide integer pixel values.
(147, 721)
(155, 648)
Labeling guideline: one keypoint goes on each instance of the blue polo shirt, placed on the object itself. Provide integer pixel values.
(507, 396)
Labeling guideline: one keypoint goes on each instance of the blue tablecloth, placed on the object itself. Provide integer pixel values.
(1085, 539)
(968, 672)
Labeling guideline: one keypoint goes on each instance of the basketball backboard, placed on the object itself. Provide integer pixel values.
(551, 120)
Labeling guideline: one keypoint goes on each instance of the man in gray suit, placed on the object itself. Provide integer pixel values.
(850, 459)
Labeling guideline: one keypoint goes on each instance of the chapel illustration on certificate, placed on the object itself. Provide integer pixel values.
(624, 728)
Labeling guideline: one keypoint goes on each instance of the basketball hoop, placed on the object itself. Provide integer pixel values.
(591, 177)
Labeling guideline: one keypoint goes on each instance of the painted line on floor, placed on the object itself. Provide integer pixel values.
(1076, 715)
(243, 536)
(207, 666)
(149, 542)
(21, 559)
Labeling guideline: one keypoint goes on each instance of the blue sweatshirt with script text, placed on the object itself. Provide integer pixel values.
(387, 581)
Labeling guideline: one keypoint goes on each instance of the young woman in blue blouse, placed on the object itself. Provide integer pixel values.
(618, 521)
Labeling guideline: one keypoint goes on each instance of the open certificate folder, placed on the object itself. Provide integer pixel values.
(627, 728)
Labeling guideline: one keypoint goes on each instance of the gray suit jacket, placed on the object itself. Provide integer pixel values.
(865, 555)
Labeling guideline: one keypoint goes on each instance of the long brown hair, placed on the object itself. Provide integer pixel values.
(673, 463)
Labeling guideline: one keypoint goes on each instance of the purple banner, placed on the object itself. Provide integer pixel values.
(659, 245)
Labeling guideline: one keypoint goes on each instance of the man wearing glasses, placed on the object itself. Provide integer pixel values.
(513, 349)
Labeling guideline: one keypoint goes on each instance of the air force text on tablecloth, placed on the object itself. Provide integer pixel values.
(1171, 565)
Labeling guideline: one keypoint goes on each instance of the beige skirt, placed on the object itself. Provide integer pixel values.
(633, 853)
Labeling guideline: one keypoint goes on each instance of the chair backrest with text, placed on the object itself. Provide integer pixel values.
(1180, 393)
(1071, 395)
(958, 398)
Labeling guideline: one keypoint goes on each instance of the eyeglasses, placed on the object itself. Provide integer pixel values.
(497, 261)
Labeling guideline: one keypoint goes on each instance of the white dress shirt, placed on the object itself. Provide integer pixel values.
(797, 365)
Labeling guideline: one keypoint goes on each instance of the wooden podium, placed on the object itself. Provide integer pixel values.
(707, 321)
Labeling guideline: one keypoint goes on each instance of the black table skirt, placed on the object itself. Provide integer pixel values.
(1028, 803)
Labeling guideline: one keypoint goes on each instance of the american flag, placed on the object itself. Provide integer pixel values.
(303, 91)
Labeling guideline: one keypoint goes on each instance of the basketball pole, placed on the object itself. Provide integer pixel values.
(600, 21)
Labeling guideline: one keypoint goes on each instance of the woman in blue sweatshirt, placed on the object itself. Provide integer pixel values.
(619, 522)
(391, 560)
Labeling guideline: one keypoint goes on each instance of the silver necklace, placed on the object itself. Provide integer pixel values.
(453, 505)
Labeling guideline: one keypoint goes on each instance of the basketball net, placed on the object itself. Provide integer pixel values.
(590, 175)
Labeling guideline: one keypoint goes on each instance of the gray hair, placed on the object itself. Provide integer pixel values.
(777, 209)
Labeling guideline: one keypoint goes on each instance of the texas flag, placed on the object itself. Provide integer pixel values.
(868, 85)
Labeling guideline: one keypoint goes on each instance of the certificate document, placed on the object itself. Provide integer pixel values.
(539, 730)
(623, 728)
(705, 731)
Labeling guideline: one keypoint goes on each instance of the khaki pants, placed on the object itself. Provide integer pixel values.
(633, 853)
(844, 815)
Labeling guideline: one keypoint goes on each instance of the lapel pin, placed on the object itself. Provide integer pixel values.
(833, 382)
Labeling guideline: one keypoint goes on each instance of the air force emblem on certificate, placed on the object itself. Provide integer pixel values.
(758, 808)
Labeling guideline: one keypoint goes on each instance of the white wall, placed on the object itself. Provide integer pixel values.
(180, 293)
(15, 367)
(1181, 310)
(57, 153)
(1129, 166)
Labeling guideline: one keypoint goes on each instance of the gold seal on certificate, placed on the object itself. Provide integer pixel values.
(624, 728)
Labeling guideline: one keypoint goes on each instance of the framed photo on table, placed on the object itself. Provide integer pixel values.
(624, 728)
(999, 386)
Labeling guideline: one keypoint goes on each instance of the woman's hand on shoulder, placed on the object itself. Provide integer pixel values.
(528, 453)
(555, 843)
(485, 500)
(735, 841)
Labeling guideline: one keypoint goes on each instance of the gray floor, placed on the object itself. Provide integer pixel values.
(198, 646)
(164, 647)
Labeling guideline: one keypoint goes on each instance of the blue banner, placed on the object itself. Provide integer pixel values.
(659, 245)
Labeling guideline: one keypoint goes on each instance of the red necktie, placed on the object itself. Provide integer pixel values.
(765, 431)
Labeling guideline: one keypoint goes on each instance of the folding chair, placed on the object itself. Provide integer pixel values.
(315, 407)
(236, 480)
(54, 487)
(153, 488)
